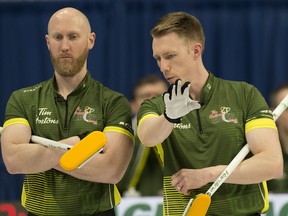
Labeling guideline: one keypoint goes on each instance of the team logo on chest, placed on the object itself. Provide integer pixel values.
(44, 117)
(87, 114)
(223, 116)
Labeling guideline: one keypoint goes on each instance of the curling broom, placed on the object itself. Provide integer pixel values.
(199, 206)
(77, 155)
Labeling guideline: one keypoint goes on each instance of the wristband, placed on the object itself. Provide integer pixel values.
(178, 120)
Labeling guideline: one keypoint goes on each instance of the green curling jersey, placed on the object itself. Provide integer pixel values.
(211, 136)
(90, 107)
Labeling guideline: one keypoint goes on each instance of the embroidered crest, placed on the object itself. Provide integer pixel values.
(224, 116)
(86, 115)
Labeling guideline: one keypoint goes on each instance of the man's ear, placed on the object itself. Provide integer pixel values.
(47, 41)
(197, 50)
(91, 39)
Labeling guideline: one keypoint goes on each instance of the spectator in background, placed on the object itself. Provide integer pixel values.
(280, 185)
(144, 174)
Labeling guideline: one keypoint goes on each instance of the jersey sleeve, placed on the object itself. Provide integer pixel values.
(153, 107)
(259, 114)
(256, 105)
(119, 116)
(15, 110)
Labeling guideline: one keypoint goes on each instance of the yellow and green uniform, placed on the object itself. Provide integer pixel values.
(90, 107)
(212, 136)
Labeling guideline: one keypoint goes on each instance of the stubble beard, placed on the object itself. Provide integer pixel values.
(69, 68)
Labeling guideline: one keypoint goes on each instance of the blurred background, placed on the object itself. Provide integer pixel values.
(246, 40)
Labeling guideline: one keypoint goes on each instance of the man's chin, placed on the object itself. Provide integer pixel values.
(67, 74)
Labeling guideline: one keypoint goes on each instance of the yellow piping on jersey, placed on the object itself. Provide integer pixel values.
(266, 198)
(149, 115)
(23, 196)
(260, 123)
(158, 147)
(119, 130)
(117, 195)
(160, 153)
(16, 121)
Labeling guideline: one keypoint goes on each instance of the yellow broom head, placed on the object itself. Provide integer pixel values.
(200, 205)
(83, 150)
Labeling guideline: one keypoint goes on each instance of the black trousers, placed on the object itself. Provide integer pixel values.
(109, 212)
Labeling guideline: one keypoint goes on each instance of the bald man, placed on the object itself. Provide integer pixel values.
(67, 107)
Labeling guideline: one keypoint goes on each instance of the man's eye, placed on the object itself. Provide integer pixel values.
(58, 37)
(73, 37)
(169, 56)
(157, 59)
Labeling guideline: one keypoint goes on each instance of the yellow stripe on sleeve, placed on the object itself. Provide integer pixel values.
(119, 130)
(149, 115)
(16, 121)
(260, 123)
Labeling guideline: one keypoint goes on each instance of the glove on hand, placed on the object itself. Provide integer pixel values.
(177, 102)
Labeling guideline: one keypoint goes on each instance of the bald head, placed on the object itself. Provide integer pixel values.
(70, 17)
(69, 40)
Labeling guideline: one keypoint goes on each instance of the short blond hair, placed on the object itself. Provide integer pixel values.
(183, 24)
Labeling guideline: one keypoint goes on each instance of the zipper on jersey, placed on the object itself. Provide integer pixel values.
(66, 114)
(199, 121)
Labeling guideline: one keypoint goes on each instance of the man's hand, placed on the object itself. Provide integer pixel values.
(189, 179)
(177, 102)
